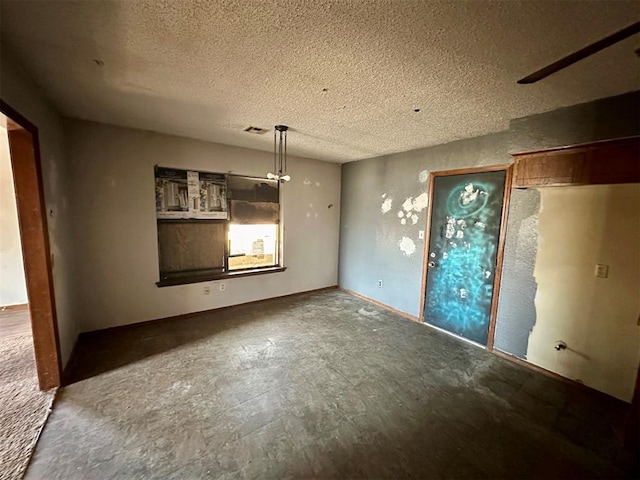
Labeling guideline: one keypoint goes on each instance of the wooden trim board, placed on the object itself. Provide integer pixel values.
(21, 306)
(24, 150)
(501, 240)
(425, 255)
(494, 351)
(497, 274)
(201, 312)
(610, 162)
(218, 277)
(381, 305)
(549, 373)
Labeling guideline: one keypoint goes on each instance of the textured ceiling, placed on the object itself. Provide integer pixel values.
(345, 75)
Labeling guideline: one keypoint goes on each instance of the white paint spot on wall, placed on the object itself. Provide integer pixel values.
(403, 221)
(407, 246)
(386, 205)
(400, 214)
(317, 184)
(384, 195)
(421, 202)
(414, 219)
(423, 176)
(306, 181)
(408, 204)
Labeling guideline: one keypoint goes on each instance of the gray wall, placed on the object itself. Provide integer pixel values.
(17, 89)
(115, 241)
(370, 239)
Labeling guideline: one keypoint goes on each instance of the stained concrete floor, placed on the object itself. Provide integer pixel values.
(317, 386)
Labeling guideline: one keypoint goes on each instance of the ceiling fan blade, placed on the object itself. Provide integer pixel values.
(581, 54)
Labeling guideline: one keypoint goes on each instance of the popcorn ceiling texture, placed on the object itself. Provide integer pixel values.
(345, 75)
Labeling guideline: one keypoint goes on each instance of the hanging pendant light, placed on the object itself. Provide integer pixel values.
(279, 155)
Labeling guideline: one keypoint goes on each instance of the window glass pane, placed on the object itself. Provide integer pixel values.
(190, 246)
(250, 189)
(252, 246)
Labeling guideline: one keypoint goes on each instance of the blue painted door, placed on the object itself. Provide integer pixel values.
(463, 245)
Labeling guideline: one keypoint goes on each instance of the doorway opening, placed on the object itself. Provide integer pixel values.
(22, 145)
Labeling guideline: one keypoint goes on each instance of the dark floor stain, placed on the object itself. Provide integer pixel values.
(310, 387)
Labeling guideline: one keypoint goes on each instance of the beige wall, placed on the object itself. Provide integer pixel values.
(115, 224)
(13, 290)
(579, 227)
(19, 91)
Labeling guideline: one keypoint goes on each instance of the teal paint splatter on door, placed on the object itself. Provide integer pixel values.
(465, 227)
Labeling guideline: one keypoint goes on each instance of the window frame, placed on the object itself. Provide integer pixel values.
(192, 276)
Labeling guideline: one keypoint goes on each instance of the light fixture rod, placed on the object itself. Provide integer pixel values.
(279, 154)
(275, 153)
(284, 158)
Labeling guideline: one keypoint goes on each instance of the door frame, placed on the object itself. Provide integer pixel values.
(24, 153)
(508, 168)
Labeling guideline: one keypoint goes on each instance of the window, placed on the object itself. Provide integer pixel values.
(215, 225)
(252, 246)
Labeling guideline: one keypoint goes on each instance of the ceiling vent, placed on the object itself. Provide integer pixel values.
(255, 130)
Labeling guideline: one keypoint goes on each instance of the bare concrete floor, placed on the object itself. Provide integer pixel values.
(317, 386)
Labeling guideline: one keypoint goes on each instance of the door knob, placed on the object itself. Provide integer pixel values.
(431, 264)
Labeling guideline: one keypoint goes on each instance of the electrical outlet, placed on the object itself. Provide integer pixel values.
(421, 235)
(379, 283)
(602, 271)
(223, 287)
(207, 290)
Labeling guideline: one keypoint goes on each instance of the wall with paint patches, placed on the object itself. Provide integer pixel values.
(516, 309)
(615, 117)
(596, 317)
(384, 208)
(377, 245)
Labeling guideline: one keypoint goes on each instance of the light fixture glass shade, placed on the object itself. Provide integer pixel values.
(279, 155)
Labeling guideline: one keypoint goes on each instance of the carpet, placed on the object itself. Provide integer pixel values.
(24, 407)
